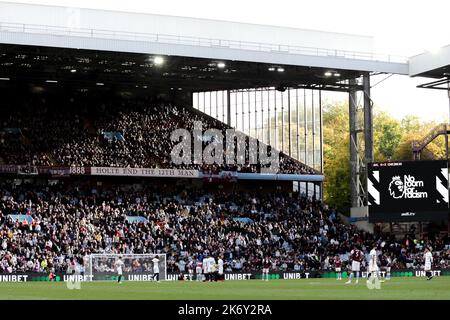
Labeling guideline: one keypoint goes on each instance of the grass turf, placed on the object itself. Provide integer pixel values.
(396, 288)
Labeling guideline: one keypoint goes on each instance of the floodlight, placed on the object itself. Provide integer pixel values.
(158, 60)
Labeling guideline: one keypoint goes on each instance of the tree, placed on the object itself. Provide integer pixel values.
(336, 156)
(387, 136)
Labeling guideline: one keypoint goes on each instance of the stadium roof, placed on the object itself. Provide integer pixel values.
(100, 30)
(46, 43)
(90, 68)
(436, 65)
(431, 64)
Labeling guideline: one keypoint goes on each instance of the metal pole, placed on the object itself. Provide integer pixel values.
(305, 123)
(298, 120)
(223, 106)
(276, 123)
(256, 115)
(368, 133)
(354, 164)
(268, 118)
(321, 130)
(282, 120)
(228, 108)
(313, 122)
(249, 112)
(314, 192)
(289, 122)
(217, 104)
(368, 120)
(446, 140)
(448, 94)
(448, 124)
(242, 110)
(204, 102)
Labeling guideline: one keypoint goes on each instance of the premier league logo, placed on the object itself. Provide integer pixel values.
(407, 188)
(396, 188)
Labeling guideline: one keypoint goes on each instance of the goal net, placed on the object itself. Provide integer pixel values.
(136, 267)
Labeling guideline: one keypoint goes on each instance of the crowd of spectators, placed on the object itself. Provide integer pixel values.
(75, 136)
(186, 223)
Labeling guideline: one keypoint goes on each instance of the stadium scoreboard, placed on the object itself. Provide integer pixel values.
(408, 191)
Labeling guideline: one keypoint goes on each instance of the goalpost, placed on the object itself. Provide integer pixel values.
(136, 267)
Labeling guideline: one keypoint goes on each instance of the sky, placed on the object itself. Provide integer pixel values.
(401, 27)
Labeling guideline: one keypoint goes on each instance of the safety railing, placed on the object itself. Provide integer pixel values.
(197, 41)
(419, 145)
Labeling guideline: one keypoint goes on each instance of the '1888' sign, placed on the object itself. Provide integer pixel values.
(78, 170)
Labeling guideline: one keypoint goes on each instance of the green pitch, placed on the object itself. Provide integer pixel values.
(396, 288)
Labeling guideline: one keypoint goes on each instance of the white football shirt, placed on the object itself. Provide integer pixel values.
(155, 265)
(373, 256)
(428, 258)
(119, 265)
(220, 263)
